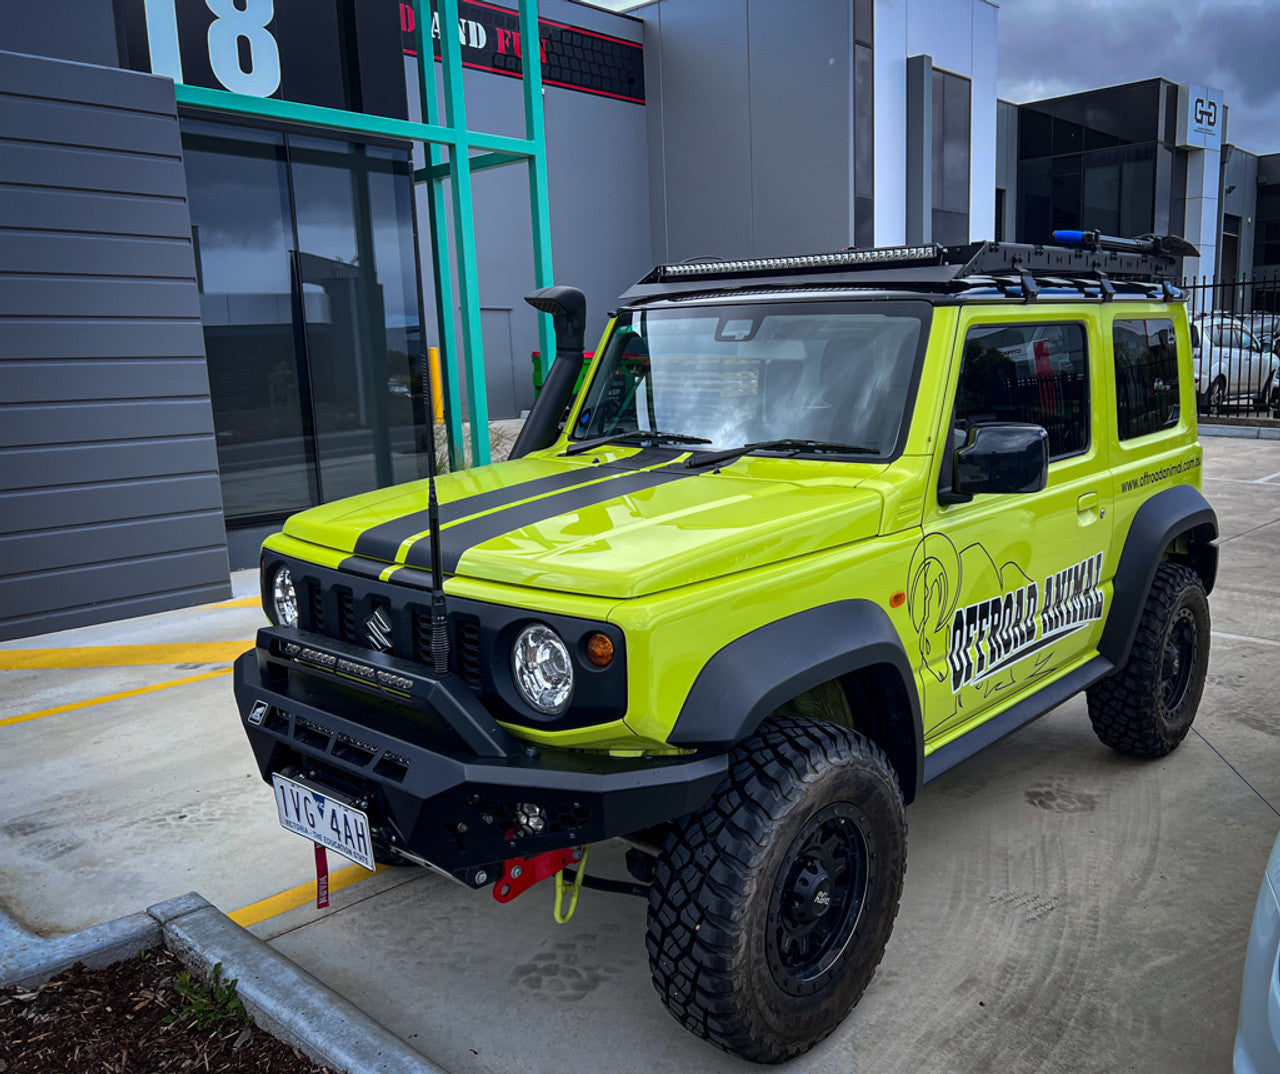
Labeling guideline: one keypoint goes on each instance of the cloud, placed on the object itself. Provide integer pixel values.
(1053, 47)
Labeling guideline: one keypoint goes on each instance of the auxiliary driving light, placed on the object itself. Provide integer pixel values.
(284, 598)
(542, 668)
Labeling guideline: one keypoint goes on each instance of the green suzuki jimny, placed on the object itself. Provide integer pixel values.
(814, 530)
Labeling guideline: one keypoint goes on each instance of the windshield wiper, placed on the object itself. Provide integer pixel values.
(579, 446)
(796, 445)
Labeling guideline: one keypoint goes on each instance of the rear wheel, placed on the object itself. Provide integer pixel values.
(771, 907)
(1147, 707)
(1215, 398)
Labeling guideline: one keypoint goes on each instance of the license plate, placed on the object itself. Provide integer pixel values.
(324, 820)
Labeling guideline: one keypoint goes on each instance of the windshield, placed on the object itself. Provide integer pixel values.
(836, 373)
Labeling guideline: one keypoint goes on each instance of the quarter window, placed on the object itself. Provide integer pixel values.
(1035, 373)
(1147, 395)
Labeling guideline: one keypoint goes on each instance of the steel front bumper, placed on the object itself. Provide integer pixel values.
(438, 777)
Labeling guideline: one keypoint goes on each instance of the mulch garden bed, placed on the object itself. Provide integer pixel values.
(146, 1015)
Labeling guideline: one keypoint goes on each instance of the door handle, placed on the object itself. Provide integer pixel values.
(1087, 505)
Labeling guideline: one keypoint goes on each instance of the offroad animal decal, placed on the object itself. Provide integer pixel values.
(984, 640)
(990, 635)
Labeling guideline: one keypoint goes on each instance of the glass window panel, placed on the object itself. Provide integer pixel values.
(359, 309)
(938, 155)
(1146, 361)
(949, 228)
(1137, 190)
(1101, 192)
(863, 22)
(864, 233)
(956, 146)
(1036, 373)
(1035, 134)
(863, 121)
(1035, 207)
(237, 192)
(1067, 187)
(1068, 137)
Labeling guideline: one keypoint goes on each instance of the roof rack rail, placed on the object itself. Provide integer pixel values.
(1085, 256)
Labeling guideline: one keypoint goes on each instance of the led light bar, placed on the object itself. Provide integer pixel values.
(840, 259)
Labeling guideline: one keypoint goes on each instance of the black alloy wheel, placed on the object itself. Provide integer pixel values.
(818, 899)
(1178, 662)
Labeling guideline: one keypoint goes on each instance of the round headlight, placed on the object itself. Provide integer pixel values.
(542, 668)
(284, 599)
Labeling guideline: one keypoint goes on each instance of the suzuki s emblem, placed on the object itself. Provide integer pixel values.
(378, 627)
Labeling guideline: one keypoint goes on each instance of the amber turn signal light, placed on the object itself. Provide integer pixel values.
(600, 650)
(898, 599)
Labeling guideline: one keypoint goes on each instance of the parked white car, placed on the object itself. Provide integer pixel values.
(1232, 366)
(1257, 1049)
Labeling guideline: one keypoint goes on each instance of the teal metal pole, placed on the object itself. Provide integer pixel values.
(535, 133)
(437, 214)
(464, 230)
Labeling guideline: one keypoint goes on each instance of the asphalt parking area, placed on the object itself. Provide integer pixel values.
(1066, 909)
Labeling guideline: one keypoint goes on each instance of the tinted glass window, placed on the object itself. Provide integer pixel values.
(1036, 373)
(1146, 377)
(951, 108)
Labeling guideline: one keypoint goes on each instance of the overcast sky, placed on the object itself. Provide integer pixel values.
(1051, 47)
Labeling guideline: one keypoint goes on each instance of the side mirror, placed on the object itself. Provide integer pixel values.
(1001, 458)
(1195, 336)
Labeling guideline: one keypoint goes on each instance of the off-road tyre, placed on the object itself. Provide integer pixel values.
(726, 885)
(1146, 708)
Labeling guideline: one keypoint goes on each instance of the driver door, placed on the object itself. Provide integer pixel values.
(1007, 589)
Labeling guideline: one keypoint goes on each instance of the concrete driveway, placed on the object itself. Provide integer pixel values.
(1066, 909)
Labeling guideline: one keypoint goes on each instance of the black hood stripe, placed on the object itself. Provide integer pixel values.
(458, 539)
(383, 541)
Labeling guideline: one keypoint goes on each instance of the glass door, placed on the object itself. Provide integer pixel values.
(332, 271)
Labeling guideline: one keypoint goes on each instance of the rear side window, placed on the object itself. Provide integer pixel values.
(1147, 396)
(1036, 373)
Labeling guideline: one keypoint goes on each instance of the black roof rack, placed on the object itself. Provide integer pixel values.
(1092, 261)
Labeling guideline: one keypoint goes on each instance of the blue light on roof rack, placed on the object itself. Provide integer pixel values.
(1069, 238)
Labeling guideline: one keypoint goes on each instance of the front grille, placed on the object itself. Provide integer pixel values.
(315, 605)
(469, 651)
(346, 615)
(422, 636)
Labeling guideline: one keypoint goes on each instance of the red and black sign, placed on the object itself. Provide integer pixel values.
(572, 58)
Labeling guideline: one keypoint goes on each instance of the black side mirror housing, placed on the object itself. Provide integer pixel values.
(1000, 457)
(568, 307)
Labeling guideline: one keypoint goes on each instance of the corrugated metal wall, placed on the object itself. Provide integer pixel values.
(109, 497)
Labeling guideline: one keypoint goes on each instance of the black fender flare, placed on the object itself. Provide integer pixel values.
(1164, 518)
(755, 674)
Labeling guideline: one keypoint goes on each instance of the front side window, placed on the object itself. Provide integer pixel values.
(1035, 373)
(1147, 397)
(836, 373)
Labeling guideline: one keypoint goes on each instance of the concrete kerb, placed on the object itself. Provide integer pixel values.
(284, 999)
(1243, 432)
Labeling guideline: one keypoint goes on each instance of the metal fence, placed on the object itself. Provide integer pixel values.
(1235, 339)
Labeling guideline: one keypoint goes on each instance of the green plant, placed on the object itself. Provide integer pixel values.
(212, 1002)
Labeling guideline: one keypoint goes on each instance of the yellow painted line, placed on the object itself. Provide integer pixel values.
(104, 656)
(275, 905)
(242, 602)
(112, 697)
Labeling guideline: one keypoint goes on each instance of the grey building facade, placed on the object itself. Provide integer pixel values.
(251, 342)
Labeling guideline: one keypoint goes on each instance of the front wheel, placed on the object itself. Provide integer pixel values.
(771, 907)
(1146, 708)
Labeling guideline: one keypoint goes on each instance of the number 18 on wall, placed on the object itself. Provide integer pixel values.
(243, 54)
